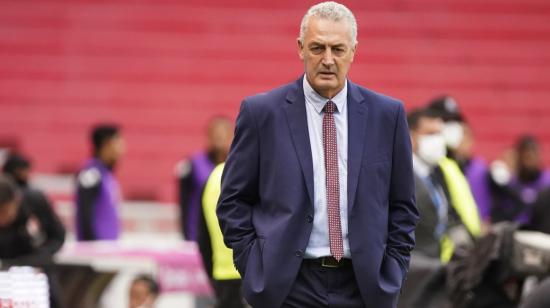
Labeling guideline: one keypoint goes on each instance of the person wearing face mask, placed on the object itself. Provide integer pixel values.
(447, 109)
(515, 194)
(428, 149)
(459, 141)
(462, 223)
(440, 227)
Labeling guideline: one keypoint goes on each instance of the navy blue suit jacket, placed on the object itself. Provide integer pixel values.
(265, 207)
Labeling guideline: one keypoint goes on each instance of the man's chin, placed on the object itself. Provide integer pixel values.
(325, 85)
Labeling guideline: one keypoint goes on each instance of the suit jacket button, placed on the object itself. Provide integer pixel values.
(299, 253)
(310, 218)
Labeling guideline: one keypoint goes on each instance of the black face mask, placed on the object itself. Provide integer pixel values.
(527, 175)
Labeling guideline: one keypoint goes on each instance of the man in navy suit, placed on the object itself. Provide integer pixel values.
(317, 197)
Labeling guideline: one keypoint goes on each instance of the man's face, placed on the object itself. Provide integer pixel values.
(327, 52)
(114, 149)
(140, 296)
(529, 159)
(426, 126)
(220, 135)
(22, 176)
(8, 213)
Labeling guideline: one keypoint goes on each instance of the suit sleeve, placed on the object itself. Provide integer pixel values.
(403, 214)
(239, 190)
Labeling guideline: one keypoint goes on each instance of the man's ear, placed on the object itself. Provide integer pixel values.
(300, 49)
(353, 51)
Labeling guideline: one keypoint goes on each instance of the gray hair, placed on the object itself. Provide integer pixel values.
(332, 11)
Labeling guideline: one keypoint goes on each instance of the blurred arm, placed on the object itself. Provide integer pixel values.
(50, 224)
(87, 198)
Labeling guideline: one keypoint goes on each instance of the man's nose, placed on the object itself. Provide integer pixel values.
(328, 57)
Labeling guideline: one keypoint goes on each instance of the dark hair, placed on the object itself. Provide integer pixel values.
(8, 190)
(447, 108)
(415, 115)
(527, 142)
(14, 162)
(101, 134)
(151, 283)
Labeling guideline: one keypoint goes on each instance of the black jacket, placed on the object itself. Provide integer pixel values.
(35, 235)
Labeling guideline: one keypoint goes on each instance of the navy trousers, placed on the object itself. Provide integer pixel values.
(317, 286)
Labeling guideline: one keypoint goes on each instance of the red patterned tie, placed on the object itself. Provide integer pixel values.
(330, 148)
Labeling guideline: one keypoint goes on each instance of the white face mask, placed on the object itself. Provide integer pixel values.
(431, 148)
(453, 132)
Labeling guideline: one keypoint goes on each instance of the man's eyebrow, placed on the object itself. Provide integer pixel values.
(338, 45)
(315, 43)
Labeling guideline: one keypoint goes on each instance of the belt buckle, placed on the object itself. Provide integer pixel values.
(329, 262)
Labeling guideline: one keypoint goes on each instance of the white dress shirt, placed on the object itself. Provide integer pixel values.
(319, 243)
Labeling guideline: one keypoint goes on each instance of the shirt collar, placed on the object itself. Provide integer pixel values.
(318, 102)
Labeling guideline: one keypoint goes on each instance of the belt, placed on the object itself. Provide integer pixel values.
(330, 262)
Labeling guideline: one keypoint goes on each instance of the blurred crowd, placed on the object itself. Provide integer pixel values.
(460, 197)
(464, 201)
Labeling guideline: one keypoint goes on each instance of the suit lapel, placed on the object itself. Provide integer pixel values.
(297, 121)
(357, 121)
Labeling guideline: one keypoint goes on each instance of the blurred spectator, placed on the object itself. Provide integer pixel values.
(98, 192)
(464, 220)
(460, 141)
(144, 291)
(18, 168)
(35, 215)
(225, 277)
(477, 172)
(30, 232)
(428, 149)
(515, 194)
(192, 173)
(447, 108)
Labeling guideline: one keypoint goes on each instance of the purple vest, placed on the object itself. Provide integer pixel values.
(105, 214)
(528, 193)
(202, 167)
(477, 174)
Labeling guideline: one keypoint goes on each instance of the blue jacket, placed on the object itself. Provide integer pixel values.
(265, 208)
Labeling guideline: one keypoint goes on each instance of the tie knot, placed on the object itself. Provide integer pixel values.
(330, 107)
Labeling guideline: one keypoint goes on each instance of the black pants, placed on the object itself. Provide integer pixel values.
(318, 286)
(228, 294)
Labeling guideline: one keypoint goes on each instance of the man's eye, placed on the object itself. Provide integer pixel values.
(316, 49)
(339, 51)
